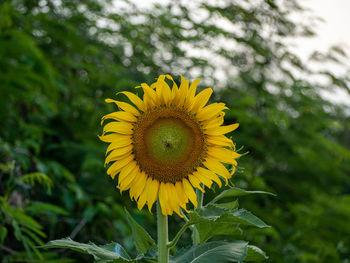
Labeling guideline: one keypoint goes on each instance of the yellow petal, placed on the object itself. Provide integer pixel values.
(126, 176)
(222, 129)
(152, 194)
(118, 165)
(115, 145)
(163, 198)
(173, 97)
(233, 170)
(217, 168)
(118, 127)
(181, 195)
(138, 184)
(149, 96)
(169, 205)
(158, 87)
(174, 199)
(182, 92)
(193, 87)
(172, 205)
(220, 140)
(121, 153)
(148, 103)
(200, 100)
(174, 89)
(190, 192)
(134, 99)
(163, 90)
(143, 197)
(190, 94)
(142, 200)
(124, 106)
(210, 175)
(166, 93)
(223, 155)
(131, 168)
(195, 182)
(119, 139)
(213, 123)
(120, 116)
(171, 78)
(210, 111)
(203, 179)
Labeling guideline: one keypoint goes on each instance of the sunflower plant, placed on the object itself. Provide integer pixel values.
(169, 147)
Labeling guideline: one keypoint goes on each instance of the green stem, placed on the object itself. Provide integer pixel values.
(199, 206)
(162, 224)
(200, 195)
(178, 235)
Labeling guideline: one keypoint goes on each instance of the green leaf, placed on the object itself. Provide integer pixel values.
(143, 241)
(111, 252)
(194, 219)
(234, 192)
(27, 221)
(116, 248)
(255, 254)
(47, 257)
(245, 217)
(43, 208)
(3, 234)
(218, 252)
(32, 235)
(40, 178)
(212, 228)
(218, 221)
(228, 206)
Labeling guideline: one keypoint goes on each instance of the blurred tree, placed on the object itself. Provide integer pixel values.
(59, 59)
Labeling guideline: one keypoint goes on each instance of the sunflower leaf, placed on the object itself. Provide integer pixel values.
(112, 252)
(143, 241)
(228, 206)
(235, 191)
(255, 254)
(218, 221)
(219, 252)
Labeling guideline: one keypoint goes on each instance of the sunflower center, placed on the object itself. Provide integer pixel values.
(168, 144)
(168, 139)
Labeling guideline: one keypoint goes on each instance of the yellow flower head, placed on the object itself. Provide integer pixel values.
(168, 143)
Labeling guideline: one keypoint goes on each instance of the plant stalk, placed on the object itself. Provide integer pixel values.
(162, 225)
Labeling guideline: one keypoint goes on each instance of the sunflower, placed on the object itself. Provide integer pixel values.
(168, 143)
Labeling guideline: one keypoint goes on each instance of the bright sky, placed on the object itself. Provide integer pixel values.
(334, 30)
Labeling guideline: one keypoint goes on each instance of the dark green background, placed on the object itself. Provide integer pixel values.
(60, 59)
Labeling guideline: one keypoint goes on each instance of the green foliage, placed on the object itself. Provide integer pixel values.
(60, 59)
(234, 192)
(25, 229)
(255, 254)
(143, 241)
(40, 178)
(221, 222)
(220, 252)
(207, 221)
(112, 252)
